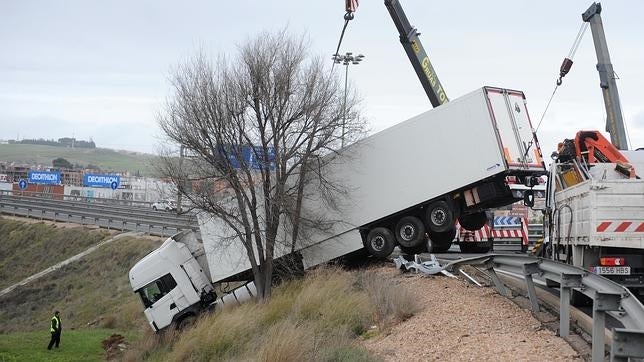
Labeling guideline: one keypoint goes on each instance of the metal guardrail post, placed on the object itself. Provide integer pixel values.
(568, 281)
(602, 303)
(528, 270)
(500, 287)
(627, 343)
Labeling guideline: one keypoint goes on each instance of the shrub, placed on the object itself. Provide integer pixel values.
(391, 302)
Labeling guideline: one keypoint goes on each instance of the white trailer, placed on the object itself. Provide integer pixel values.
(406, 185)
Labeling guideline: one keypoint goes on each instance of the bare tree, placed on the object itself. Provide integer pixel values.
(260, 129)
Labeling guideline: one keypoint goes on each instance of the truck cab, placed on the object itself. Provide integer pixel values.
(170, 282)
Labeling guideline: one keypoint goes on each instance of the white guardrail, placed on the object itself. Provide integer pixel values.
(608, 298)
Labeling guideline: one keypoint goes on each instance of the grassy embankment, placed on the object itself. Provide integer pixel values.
(92, 294)
(319, 318)
(106, 159)
(28, 248)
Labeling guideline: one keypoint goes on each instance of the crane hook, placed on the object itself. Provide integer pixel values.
(564, 69)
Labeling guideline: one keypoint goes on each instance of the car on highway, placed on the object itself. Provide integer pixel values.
(164, 205)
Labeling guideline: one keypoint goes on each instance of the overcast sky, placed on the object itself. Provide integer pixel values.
(99, 69)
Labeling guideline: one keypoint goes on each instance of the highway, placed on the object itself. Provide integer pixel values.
(109, 216)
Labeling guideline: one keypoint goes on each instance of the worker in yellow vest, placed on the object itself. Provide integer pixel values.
(55, 329)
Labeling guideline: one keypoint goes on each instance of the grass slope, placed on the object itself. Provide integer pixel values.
(319, 318)
(93, 290)
(27, 248)
(106, 159)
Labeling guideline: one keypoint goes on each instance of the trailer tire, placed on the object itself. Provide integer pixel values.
(473, 222)
(442, 241)
(380, 242)
(474, 248)
(410, 232)
(439, 216)
(418, 249)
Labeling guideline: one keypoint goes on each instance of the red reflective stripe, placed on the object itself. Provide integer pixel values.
(603, 226)
(623, 226)
(640, 228)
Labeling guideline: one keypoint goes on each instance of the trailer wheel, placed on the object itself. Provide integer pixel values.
(442, 241)
(410, 231)
(418, 249)
(380, 242)
(473, 222)
(439, 216)
(474, 247)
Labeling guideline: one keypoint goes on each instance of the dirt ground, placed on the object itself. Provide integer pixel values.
(463, 322)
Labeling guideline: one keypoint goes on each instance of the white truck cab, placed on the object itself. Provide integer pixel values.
(171, 283)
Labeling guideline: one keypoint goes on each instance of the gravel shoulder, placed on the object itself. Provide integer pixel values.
(462, 322)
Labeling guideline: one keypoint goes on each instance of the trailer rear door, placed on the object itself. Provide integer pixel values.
(519, 144)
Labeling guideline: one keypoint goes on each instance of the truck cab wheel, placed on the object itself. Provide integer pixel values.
(186, 322)
(410, 232)
(473, 222)
(380, 242)
(439, 217)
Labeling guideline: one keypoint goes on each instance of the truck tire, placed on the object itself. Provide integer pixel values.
(419, 249)
(473, 222)
(442, 241)
(439, 216)
(186, 322)
(474, 247)
(380, 242)
(410, 232)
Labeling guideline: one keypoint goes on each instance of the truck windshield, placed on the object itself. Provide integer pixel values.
(154, 291)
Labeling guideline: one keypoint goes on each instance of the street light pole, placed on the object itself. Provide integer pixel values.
(346, 59)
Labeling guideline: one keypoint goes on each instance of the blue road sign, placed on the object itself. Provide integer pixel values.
(507, 220)
(44, 177)
(22, 184)
(93, 180)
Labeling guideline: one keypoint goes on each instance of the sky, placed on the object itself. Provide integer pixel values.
(100, 69)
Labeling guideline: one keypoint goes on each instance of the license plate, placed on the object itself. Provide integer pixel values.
(612, 270)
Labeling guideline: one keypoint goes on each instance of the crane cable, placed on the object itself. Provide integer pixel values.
(565, 67)
(563, 70)
(347, 17)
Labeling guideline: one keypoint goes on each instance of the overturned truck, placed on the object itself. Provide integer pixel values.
(406, 186)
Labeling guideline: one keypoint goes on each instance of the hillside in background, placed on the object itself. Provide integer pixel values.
(87, 290)
(106, 159)
(92, 294)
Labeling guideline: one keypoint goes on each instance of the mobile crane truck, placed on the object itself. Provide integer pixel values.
(394, 199)
(595, 198)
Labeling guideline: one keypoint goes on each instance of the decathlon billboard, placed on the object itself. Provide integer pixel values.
(44, 177)
(93, 180)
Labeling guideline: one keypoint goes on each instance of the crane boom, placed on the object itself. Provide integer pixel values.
(614, 118)
(417, 55)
